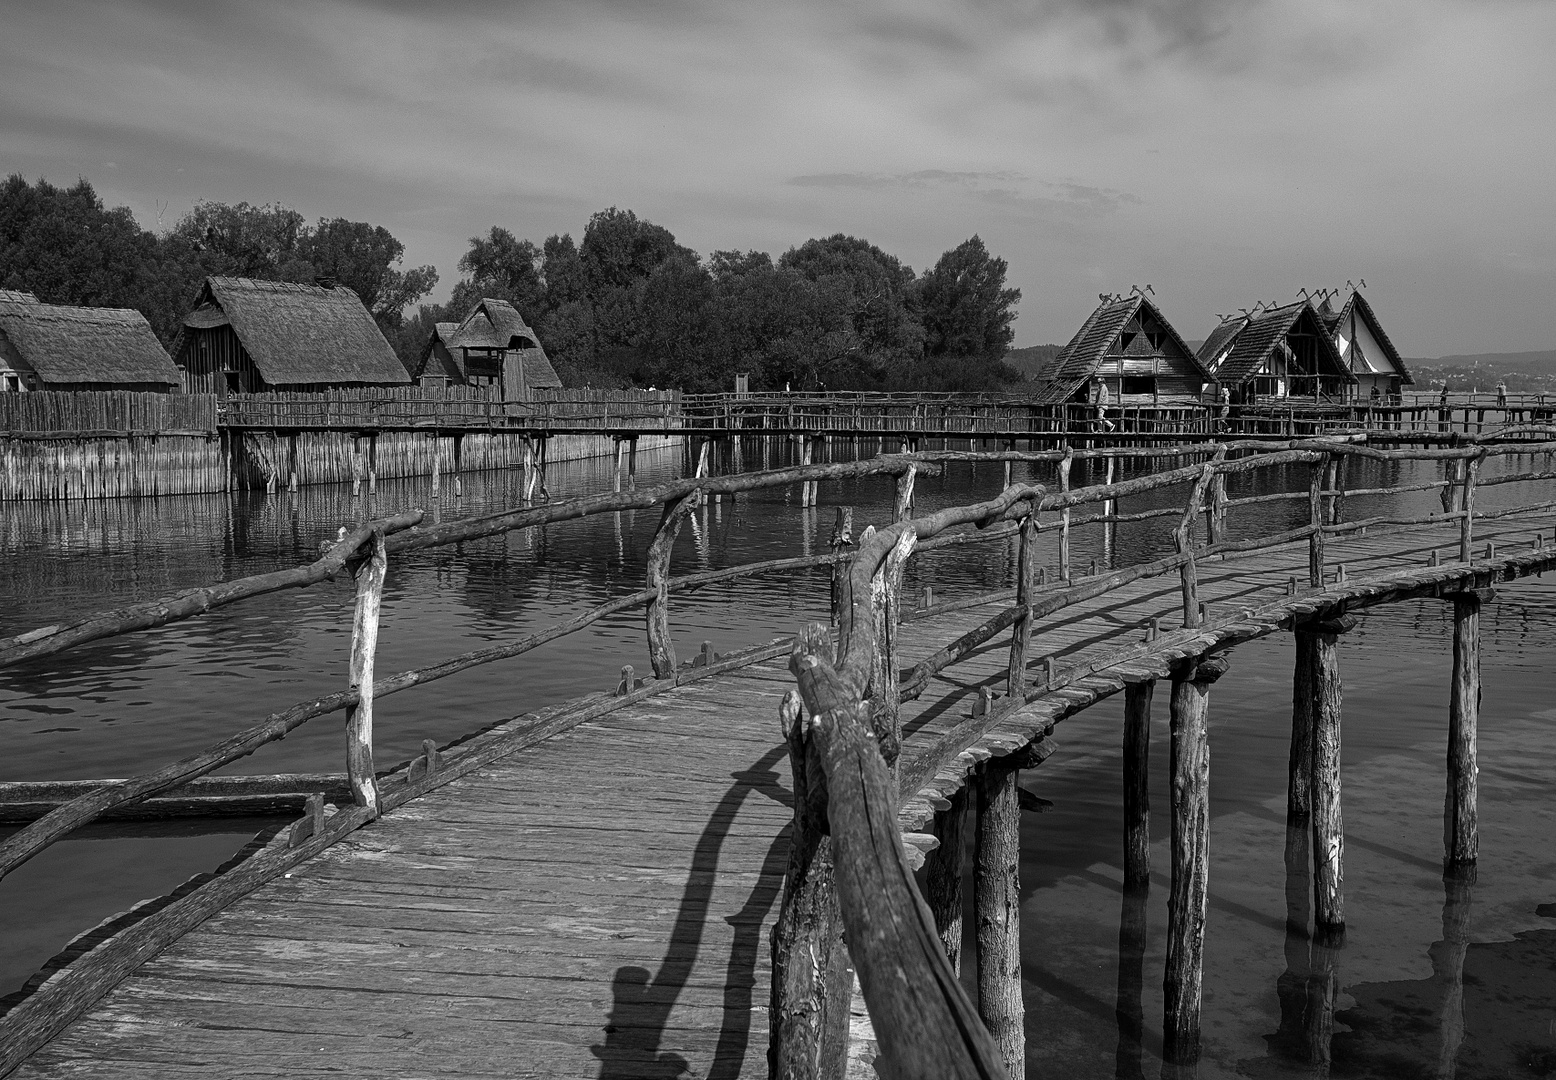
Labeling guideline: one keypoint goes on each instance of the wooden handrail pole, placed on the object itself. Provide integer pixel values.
(927, 1028)
(364, 647)
(661, 646)
(902, 509)
(997, 909)
(1471, 470)
(1217, 509)
(811, 984)
(1064, 517)
(943, 875)
(1026, 582)
(842, 540)
(886, 613)
(1186, 903)
(1461, 834)
(1315, 548)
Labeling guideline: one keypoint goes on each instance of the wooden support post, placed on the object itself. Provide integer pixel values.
(459, 446)
(807, 457)
(1021, 632)
(437, 465)
(372, 464)
(1304, 697)
(842, 540)
(812, 981)
(364, 645)
(1186, 903)
(943, 883)
(1461, 836)
(997, 908)
(632, 461)
(1064, 516)
(621, 454)
(1315, 544)
(540, 469)
(1137, 790)
(529, 468)
(1328, 825)
(902, 509)
(661, 646)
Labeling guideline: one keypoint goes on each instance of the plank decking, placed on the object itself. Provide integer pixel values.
(598, 904)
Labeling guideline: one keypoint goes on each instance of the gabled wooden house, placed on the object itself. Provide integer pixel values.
(1283, 353)
(1128, 348)
(63, 347)
(245, 337)
(494, 347)
(1365, 348)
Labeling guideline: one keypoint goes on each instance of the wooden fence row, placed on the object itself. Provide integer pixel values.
(107, 411)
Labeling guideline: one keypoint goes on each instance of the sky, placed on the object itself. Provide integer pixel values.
(1224, 152)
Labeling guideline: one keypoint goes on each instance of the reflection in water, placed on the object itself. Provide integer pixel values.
(1131, 982)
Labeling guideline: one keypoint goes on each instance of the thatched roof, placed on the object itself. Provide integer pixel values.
(300, 334)
(1239, 346)
(1337, 322)
(497, 324)
(1097, 338)
(65, 344)
(435, 357)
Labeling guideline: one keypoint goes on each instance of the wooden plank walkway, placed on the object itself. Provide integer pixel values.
(599, 904)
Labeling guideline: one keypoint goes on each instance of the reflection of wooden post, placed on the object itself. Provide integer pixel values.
(1129, 1010)
(1137, 787)
(1328, 827)
(1322, 987)
(809, 1006)
(1448, 964)
(943, 877)
(364, 646)
(1461, 839)
(1021, 634)
(1190, 857)
(997, 906)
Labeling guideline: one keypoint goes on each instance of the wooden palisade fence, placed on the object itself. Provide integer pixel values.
(849, 876)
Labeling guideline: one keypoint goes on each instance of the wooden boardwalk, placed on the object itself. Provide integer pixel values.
(598, 904)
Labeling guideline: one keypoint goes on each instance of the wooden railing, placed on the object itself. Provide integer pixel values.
(106, 413)
(409, 407)
(847, 868)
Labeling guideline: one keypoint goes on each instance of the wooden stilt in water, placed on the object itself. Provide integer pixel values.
(1186, 902)
(1328, 825)
(437, 465)
(902, 510)
(842, 540)
(1137, 789)
(807, 457)
(459, 442)
(943, 883)
(1461, 836)
(997, 908)
(372, 464)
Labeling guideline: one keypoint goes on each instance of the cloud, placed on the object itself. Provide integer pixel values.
(1026, 194)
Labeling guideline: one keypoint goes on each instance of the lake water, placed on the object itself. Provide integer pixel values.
(115, 708)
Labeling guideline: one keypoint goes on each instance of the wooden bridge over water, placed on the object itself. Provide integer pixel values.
(659, 880)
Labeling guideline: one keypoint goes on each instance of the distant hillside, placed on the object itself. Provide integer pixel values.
(1033, 359)
(1540, 361)
(1522, 372)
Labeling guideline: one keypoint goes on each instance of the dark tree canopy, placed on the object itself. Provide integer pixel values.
(967, 309)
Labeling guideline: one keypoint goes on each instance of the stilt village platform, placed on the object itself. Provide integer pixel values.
(708, 872)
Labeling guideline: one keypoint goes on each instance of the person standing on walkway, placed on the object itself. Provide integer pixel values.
(1101, 399)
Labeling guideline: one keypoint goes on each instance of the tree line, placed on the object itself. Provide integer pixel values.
(626, 305)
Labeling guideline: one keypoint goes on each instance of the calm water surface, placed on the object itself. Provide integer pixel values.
(116, 708)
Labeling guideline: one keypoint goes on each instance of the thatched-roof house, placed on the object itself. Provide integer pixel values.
(245, 336)
(62, 347)
(493, 346)
(1365, 348)
(1282, 353)
(1128, 348)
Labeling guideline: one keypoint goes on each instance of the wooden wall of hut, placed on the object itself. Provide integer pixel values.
(93, 467)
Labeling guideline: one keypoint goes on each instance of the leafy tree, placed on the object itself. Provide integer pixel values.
(65, 247)
(967, 310)
(242, 240)
(363, 257)
(502, 267)
(879, 296)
